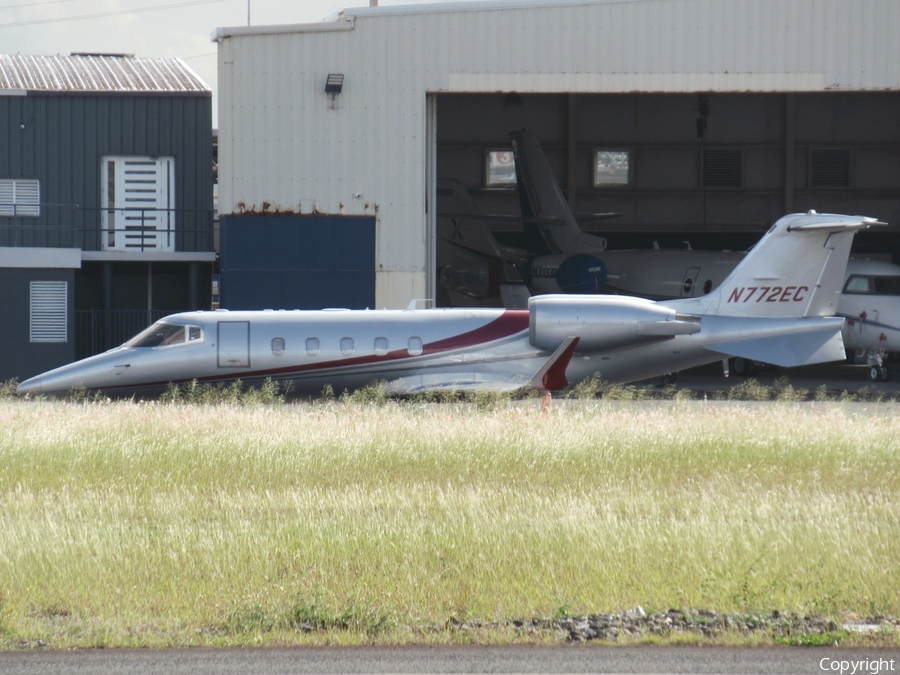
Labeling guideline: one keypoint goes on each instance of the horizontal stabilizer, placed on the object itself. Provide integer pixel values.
(837, 224)
(808, 343)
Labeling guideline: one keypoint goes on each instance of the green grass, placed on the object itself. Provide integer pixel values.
(162, 524)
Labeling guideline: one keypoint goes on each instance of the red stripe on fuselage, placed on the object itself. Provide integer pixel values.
(512, 321)
(509, 323)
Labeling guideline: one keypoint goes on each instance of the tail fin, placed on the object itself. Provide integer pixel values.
(540, 197)
(796, 270)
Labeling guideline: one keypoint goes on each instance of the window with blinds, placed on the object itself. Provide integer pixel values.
(20, 197)
(49, 311)
(138, 197)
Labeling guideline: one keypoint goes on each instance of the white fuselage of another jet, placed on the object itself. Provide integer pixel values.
(870, 305)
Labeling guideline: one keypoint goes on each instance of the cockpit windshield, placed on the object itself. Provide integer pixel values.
(160, 334)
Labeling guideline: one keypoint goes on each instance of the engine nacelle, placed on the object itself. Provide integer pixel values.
(605, 322)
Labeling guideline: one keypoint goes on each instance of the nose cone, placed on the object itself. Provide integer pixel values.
(60, 381)
(30, 386)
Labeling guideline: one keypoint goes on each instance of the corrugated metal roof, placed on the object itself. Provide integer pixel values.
(97, 72)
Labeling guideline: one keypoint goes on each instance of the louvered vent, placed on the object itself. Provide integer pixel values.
(829, 167)
(49, 311)
(722, 168)
(20, 197)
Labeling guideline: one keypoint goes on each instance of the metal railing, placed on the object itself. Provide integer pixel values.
(74, 226)
(97, 330)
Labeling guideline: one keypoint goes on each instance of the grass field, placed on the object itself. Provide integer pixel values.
(135, 525)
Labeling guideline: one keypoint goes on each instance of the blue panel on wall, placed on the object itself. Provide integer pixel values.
(297, 262)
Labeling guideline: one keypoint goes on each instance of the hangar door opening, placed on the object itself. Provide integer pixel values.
(698, 171)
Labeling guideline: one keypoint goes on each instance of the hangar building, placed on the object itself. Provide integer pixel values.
(719, 116)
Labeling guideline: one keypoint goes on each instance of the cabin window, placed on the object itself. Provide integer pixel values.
(49, 306)
(414, 346)
(20, 197)
(887, 285)
(312, 346)
(858, 284)
(278, 346)
(381, 346)
(346, 346)
(612, 167)
(499, 168)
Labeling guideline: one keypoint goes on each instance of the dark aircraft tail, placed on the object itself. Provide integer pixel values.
(550, 226)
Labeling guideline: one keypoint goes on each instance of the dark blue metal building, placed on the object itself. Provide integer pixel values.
(106, 202)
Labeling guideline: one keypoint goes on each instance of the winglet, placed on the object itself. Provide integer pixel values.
(552, 375)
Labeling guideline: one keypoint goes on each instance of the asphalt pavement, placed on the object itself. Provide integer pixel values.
(456, 659)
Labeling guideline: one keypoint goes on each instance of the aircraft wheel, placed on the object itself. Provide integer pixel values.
(877, 373)
(740, 366)
(885, 374)
(669, 379)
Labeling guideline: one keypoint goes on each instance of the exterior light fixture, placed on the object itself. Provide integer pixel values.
(334, 83)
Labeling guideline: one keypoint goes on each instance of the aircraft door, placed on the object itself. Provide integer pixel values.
(689, 283)
(234, 344)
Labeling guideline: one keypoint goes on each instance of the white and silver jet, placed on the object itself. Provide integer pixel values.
(777, 306)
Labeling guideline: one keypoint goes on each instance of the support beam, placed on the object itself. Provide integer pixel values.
(194, 285)
(572, 164)
(789, 119)
(106, 280)
(149, 293)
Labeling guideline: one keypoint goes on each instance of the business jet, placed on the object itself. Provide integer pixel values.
(777, 305)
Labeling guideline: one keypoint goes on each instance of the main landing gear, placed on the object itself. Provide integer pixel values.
(878, 371)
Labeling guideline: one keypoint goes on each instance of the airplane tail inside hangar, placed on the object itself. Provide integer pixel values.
(677, 124)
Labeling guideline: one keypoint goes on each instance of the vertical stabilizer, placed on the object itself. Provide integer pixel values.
(541, 197)
(797, 269)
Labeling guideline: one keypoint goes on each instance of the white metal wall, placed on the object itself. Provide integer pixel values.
(283, 143)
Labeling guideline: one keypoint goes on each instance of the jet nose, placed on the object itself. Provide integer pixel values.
(29, 386)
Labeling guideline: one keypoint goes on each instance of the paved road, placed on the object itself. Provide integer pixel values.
(376, 660)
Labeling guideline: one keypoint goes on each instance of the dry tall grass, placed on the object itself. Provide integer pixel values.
(159, 524)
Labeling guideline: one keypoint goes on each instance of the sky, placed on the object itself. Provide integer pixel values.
(150, 28)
